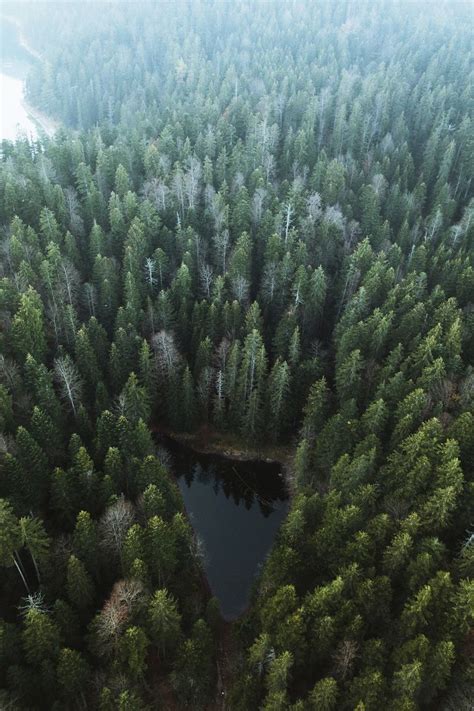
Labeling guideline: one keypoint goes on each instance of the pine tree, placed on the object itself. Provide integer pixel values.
(278, 392)
(85, 540)
(324, 694)
(165, 621)
(40, 637)
(28, 332)
(80, 588)
(73, 673)
(134, 646)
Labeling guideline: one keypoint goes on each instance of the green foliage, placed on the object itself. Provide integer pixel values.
(40, 637)
(279, 249)
(164, 620)
(79, 586)
(28, 333)
(73, 673)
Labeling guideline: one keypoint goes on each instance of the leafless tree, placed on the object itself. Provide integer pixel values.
(351, 234)
(76, 223)
(206, 278)
(345, 657)
(125, 598)
(222, 353)
(270, 281)
(114, 525)
(166, 352)
(334, 216)
(240, 289)
(288, 215)
(257, 205)
(435, 222)
(150, 271)
(313, 208)
(157, 192)
(222, 243)
(34, 601)
(69, 281)
(269, 163)
(69, 381)
(192, 179)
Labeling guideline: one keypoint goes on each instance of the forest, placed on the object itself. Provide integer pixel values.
(256, 219)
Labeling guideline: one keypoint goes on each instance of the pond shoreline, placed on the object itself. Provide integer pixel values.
(208, 442)
(211, 442)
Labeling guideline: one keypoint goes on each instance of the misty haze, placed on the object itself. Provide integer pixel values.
(236, 355)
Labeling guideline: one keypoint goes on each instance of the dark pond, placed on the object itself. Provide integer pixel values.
(236, 509)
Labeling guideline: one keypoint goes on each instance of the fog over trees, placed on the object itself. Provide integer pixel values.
(255, 221)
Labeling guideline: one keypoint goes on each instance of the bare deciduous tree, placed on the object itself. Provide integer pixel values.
(345, 657)
(270, 281)
(192, 179)
(76, 223)
(70, 280)
(125, 597)
(222, 353)
(240, 289)
(206, 278)
(150, 271)
(288, 215)
(69, 381)
(257, 205)
(157, 192)
(313, 207)
(115, 523)
(222, 243)
(166, 352)
(334, 216)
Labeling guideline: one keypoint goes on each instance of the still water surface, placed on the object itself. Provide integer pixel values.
(14, 116)
(15, 62)
(236, 508)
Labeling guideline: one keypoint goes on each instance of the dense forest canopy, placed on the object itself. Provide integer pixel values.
(256, 217)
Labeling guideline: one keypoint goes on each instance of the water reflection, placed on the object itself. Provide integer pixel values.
(256, 482)
(236, 509)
